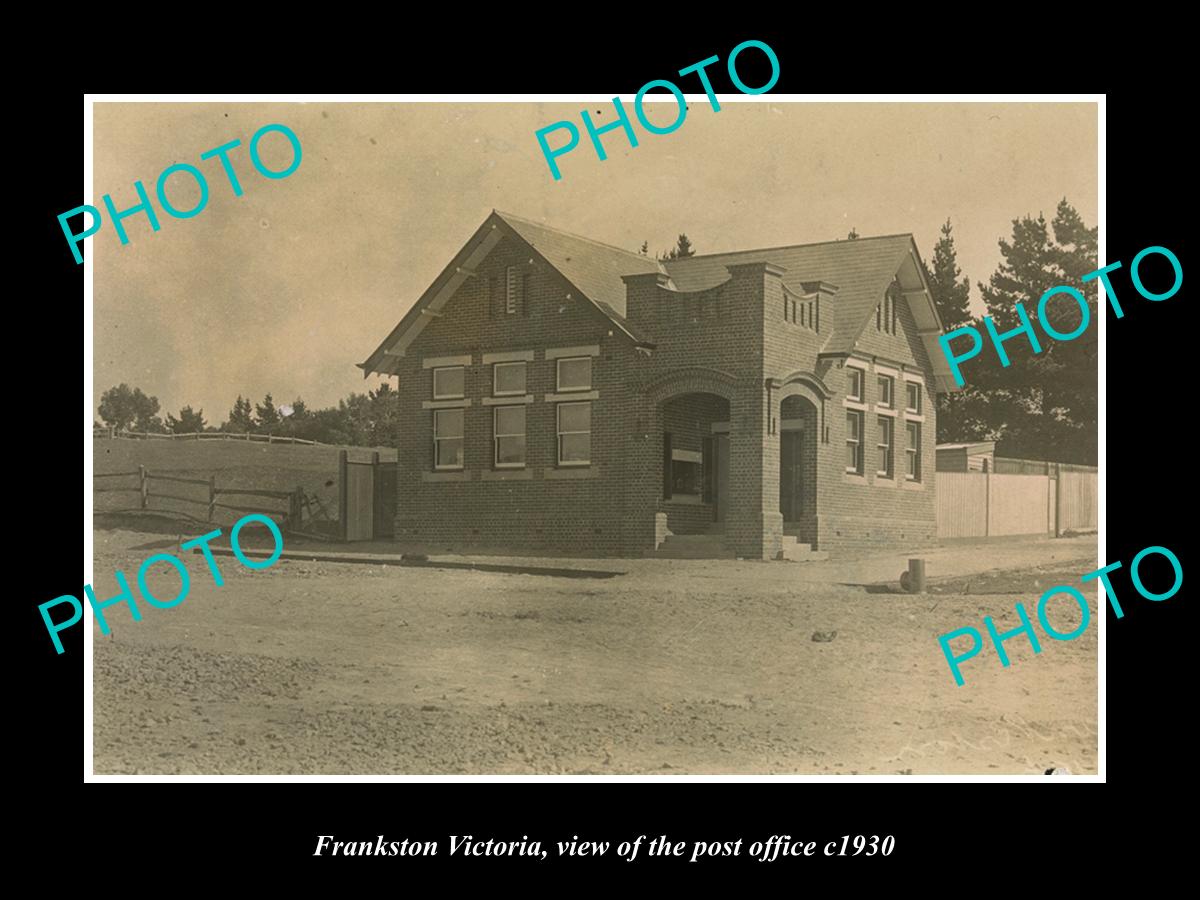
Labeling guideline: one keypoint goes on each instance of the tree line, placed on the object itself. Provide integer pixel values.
(368, 420)
(1044, 405)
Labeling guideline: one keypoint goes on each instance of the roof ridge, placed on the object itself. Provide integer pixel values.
(875, 237)
(571, 234)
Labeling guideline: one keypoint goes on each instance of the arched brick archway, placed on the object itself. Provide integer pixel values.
(691, 380)
(800, 408)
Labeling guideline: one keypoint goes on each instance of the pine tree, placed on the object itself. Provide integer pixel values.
(241, 417)
(1042, 405)
(267, 415)
(950, 295)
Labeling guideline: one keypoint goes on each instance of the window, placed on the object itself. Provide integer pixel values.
(914, 397)
(887, 386)
(879, 315)
(511, 281)
(886, 425)
(508, 425)
(575, 374)
(854, 382)
(508, 378)
(574, 434)
(448, 383)
(687, 474)
(854, 457)
(914, 450)
(447, 438)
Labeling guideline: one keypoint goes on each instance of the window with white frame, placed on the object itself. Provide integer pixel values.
(448, 438)
(508, 379)
(574, 374)
(508, 426)
(854, 384)
(574, 433)
(886, 426)
(913, 400)
(854, 454)
(449, 383)
(913, 450)
(887, 387)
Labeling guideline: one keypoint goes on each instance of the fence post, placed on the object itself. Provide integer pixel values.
(343, 499)
(212, 496)
(987, 504)
(1058, 498)
(142, 486)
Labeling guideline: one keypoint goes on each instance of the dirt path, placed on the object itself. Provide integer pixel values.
(689, 667)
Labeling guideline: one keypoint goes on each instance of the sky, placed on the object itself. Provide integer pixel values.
(285, 288)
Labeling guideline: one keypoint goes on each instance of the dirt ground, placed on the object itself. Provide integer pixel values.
(675, 666)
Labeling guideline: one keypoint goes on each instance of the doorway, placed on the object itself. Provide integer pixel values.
(791, 474)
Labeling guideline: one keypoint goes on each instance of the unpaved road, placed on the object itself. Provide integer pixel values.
(676, 667)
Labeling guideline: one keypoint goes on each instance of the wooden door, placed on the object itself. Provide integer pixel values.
(790, 475)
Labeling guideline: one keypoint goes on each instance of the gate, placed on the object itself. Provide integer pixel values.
(367, 498)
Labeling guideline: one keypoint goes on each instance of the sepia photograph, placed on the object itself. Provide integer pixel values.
(428, 441)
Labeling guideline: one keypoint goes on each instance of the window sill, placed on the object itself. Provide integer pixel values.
(446, 475)
(885, 410)
(515, 473)
(566, 396)
(458, 403)
(854, 404)
(913, 417)
(687, 500)
(510, 400)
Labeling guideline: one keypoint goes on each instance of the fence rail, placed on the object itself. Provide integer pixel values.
(112, 433)
(288, 517)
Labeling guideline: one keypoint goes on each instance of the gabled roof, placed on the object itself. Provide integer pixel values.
(860, 269)
(592, 268)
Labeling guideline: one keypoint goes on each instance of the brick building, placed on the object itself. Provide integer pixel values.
(558, 393)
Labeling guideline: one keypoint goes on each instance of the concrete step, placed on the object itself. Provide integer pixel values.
(794, 551)
(694, 546)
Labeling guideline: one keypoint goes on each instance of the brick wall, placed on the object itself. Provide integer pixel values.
(543, 506)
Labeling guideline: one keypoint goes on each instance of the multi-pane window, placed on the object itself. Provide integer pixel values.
(508, 424)
(447, 438)
(913, 451)
(508, 378)
(854, 454)
(887, 386)
(854, 384)
(886, 425)
(511, 283)
(914, 397)
(448, 383)
(575, 374)
(574, 434)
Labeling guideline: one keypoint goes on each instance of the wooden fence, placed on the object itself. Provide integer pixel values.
(982, 504)
(206, 436)
(210, 499)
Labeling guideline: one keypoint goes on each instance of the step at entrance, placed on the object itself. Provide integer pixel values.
(694, 546)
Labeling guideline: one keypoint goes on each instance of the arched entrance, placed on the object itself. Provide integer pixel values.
(695, 453)
(797, 462)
